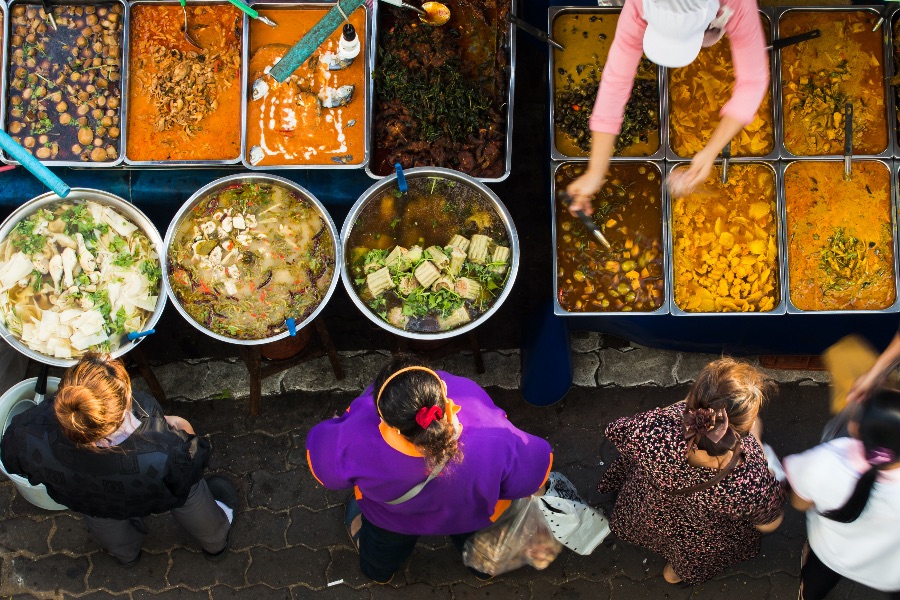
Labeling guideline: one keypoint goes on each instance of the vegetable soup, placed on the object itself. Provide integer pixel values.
(629, 276)
(247, 257)
(430, 260)
(840, 240)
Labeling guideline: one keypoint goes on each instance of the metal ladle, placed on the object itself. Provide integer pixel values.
(431, 13)
(187, 35)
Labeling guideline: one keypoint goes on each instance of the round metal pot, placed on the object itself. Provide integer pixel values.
(241, 179)
(463, 179)
(122, 206)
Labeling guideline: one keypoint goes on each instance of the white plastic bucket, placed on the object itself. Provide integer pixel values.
(18, 399)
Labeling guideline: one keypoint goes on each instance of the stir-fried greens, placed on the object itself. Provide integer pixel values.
(248, 257)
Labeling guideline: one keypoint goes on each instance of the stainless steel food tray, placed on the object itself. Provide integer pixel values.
(767, 15)
(791, 309)
(123, 68)
(368, 54)
(892, 14)
(781, 307)
(887, 61)
(4, 43)
(664, 308)
(126, 85)
(511, 37)
(606, 7)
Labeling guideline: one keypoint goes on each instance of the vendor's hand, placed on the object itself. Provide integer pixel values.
(583, 189)
(684, 183)
(863, 386)
(180, 424)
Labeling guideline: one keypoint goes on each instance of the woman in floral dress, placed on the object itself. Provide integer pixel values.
(693, 484)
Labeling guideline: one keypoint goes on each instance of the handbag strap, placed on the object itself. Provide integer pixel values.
(415, 491)
(735, 457)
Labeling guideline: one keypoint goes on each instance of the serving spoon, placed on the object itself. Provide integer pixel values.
(431, 13)
(187, 35)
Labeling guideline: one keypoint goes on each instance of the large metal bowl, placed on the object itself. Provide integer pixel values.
(418, 173)
(84, 194)
(241, 179)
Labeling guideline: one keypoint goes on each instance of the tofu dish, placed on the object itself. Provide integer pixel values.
(77, 277)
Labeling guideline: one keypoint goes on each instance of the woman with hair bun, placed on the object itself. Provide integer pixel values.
(112, 455)
(426, 453)
(693, 481)
(850, 490)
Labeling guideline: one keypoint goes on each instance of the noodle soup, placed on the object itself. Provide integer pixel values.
(247, 257)
(431, 260)
(76, 277)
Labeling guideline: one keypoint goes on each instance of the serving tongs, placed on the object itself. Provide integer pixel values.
(431, 13)
(588, 223)
(726, 158)
(794, 39)
(48, 10)
(532, 30)
(848, 139)
(253, 14)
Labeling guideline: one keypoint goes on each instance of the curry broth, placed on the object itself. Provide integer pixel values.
(288, 124)
(819, 76)
(432, 211)
(629, 276)
(725, 243)
(587, 38)
(216, 134)
(840, 240)
(696, 94)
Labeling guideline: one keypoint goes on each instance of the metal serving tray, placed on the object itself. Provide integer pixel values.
(126, 85)
(4, 43)
(368, 54)
(893, 173)
(370, 131)
(781, 307)
(892, 12)
(766, 14)
(887, 61)
(606, 7)
(123, 68)
(664, 308)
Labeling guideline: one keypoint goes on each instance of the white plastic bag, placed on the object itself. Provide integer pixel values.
(574, 523)
(520, 537)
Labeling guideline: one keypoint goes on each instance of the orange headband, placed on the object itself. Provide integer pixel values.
(404, 370)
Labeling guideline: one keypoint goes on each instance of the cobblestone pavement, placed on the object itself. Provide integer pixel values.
(289, 540)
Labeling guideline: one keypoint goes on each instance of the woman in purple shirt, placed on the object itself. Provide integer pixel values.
(406, 430)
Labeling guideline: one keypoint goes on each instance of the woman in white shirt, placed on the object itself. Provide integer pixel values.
(851, 490)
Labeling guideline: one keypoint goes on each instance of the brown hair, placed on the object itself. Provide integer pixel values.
(92, 399)
(735, 386)
(404, 396)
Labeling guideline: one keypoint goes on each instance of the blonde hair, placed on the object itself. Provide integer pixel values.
(93, 398)
(738, 387)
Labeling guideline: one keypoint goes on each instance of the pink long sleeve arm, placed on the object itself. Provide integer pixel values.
(751, 62)
(620, 70)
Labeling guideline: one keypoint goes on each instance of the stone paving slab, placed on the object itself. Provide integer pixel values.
(289, 540)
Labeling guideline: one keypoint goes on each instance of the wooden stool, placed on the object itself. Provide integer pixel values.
(436, 349)
(252, 357)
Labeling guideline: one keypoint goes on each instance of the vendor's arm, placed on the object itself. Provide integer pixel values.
(324, 453)
(751, 81)
(528, 464)
(609, 109)
(806, 473)
(179, 424)
(866, 383)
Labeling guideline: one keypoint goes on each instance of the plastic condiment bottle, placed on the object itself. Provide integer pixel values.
(348, 48)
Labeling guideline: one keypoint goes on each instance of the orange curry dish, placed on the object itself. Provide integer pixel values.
(184, 103)
(317, 116)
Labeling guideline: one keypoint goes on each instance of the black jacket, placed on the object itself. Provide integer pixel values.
(152, 471)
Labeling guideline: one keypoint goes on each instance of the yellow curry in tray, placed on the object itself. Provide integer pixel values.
(629, 276)
(587, 38)
(819, 76)
(184, 103)
(317, 115)
(696, 94)
(725, 244)
(840, 241)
